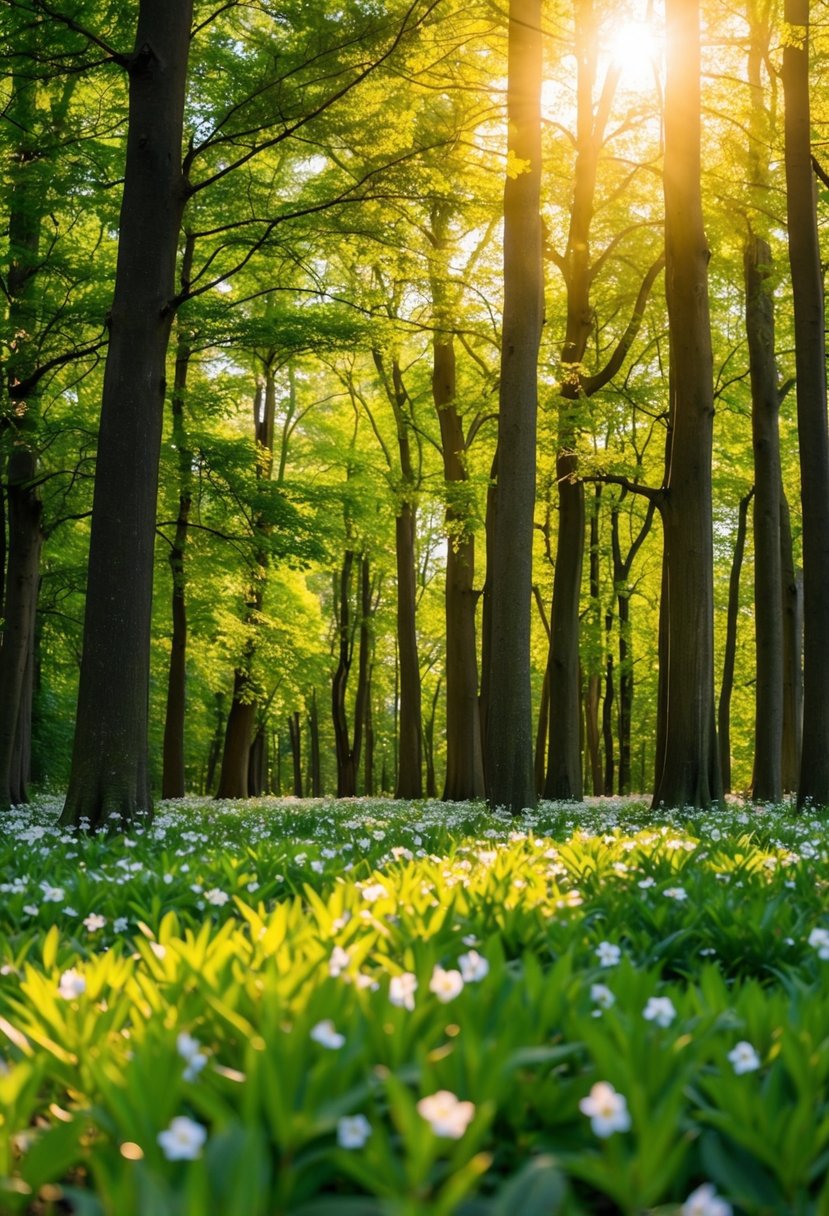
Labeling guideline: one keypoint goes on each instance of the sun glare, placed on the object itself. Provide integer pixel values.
(634, 49)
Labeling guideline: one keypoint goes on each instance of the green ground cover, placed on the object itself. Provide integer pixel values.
(365, 1008)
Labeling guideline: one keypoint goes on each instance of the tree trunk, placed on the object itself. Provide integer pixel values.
(258, 762)
(20, 587)
(314, 746)
(509, 738)
(810, 364)
(621, 581)
(607, 709)
(792, 653)
(215, 750)
(689, 773)
(172, 780)
(768, 578)
(295, 732)
(410, 759)
(727, 686)
(16, 653)
(234, 775)
(109, 783)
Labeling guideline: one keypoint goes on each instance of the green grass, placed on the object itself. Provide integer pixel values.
(240, 968)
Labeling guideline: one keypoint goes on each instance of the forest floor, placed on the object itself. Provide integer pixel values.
(371, 1008)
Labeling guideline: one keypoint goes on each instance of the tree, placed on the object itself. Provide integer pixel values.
(109, 781)
(508, 749)
(688, 771)
(813, 433)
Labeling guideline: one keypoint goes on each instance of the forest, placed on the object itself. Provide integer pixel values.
(464, 417)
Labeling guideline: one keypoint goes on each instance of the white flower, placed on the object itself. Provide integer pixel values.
(744, 1058)
(402, 989)
(326, 1035)
(601, 995)
(445, 984)
(644, 883)
(473, 967)
(677, 893)
(183, 1139)
(216, 897)
(31, 909)
(353, 1131)
(373, 892)
(120, 924)
(608, 954)
(704, 1201)
(819, 938)
(446, 1115)
(607, 1109)
(659, 1009)
(190, 1050)
(94, 922)
(72, 984)
(52, 895)
(338, 961)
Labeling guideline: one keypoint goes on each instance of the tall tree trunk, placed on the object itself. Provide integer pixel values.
(215, 749)
(792, 653)
(348, 744)
(810, 364)
(314, 746)
(689, 773)
(24, 506)
(16, 653)
(172, 780)
(464, 754)
(622, 567)
(594, 658)
(236, 782)
(258, 762)
(768, 578)
(410, 760)
(295, 732)
(109, 782)
(509, 739)
(727, 685)
(607, 708)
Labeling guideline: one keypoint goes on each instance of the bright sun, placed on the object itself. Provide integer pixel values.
(634, 50)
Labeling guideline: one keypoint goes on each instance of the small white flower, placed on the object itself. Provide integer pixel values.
(446, 1114)
(402, 989)
(94, 922)
(252, 887)
(72, 984)
(601, 995)
(474, 967)
(216, 897)
(744, 1058)
(445, 984)
(326, 1035)
(338, 961)
(67, 911)
(819, 938)
(31, 909)
(607, 1109)
(659, 1009)
(608, 954)
(644, 883)
(373, 892)
(120, 924)
(190, 1050)
(52, 895)
(677, 893)
(705, 1201)
(353, 1131)
(183, 1140)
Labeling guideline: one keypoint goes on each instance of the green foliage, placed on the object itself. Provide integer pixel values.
(282, 943)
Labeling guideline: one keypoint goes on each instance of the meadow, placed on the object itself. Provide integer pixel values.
(368, 1008)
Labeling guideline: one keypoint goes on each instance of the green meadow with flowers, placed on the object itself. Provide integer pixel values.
(367, 1008)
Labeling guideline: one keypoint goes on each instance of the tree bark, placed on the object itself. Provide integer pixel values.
(295, 732)
(792, 592)
(509, 739)
(241, 719)
(689, 772)
(314, 746)
(109, 783)
(768, 577)
(464, 756)
(727, 685)
(173, 779)
(810, 364)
